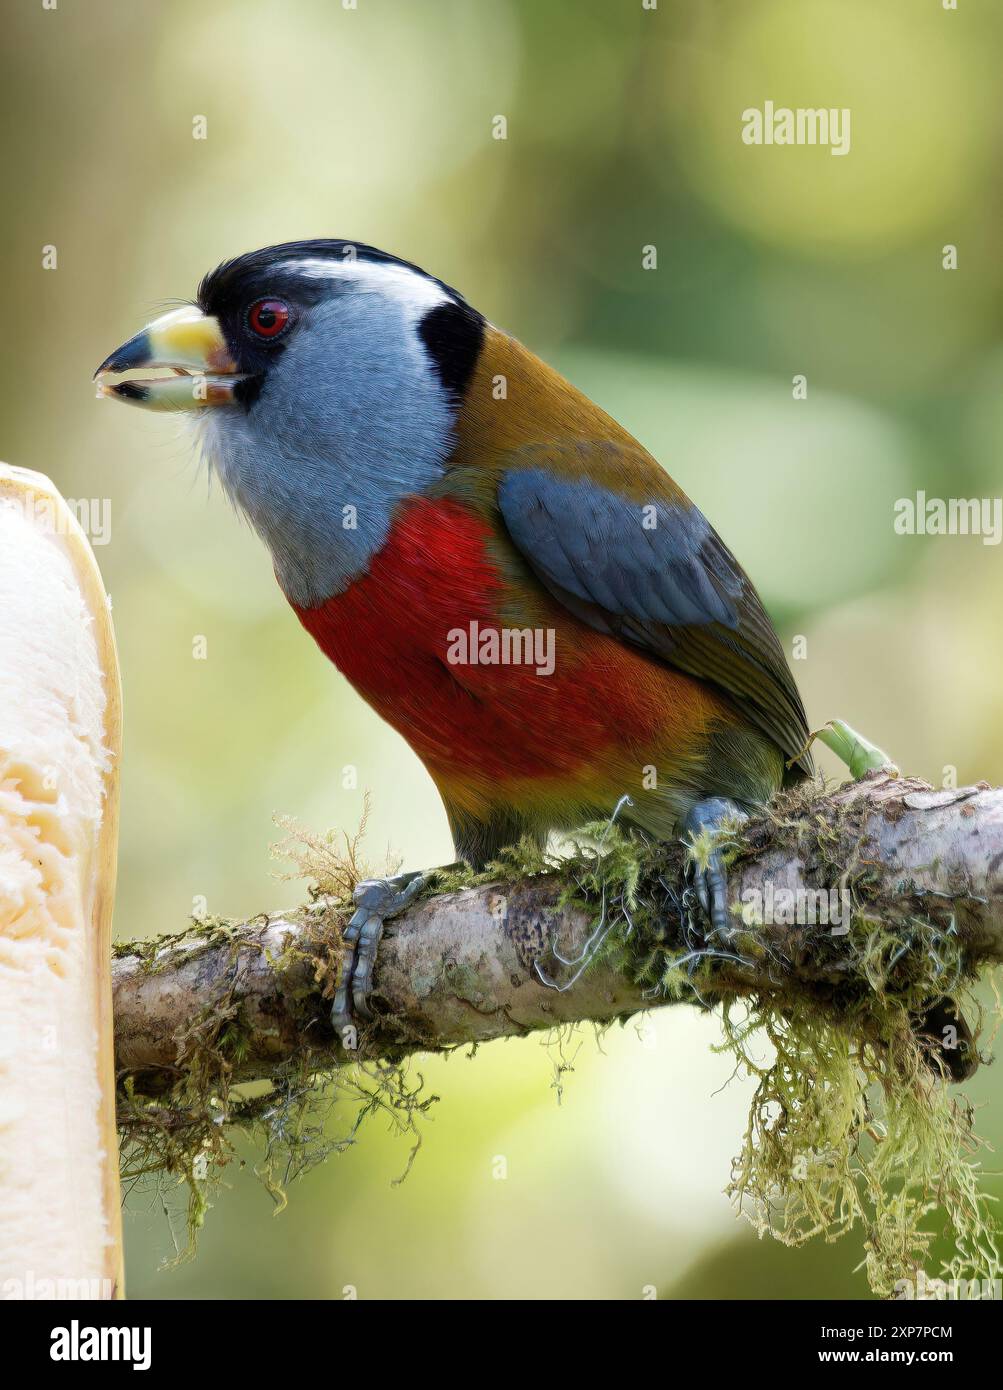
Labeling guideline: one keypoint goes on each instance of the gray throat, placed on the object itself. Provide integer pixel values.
(320, 460)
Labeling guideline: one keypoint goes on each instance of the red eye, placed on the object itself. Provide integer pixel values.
(268, 317)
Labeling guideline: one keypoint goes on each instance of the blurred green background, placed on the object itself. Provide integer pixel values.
(375, 123)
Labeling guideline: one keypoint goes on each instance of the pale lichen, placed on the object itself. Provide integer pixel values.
(852, 1125)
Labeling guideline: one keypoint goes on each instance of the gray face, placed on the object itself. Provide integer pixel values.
(349, 415)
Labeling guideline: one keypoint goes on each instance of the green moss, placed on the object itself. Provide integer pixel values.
(203, 935)
(180, 1131)
(852, 1126)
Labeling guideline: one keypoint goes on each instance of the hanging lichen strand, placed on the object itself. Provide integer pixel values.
(852, 1125)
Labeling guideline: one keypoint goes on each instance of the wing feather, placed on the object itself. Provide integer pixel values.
(655, 573)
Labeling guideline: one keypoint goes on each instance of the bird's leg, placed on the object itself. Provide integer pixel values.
(705, 871)
(376, 901)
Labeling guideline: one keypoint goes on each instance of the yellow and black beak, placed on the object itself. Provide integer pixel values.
(186, 342)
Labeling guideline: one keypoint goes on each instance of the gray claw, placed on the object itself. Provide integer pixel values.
(384, 897)
(715, 897)
(711, 882)
(376, 900)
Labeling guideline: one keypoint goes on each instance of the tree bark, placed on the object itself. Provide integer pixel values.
(467, 967)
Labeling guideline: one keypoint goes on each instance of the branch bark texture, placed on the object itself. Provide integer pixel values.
(465, 967)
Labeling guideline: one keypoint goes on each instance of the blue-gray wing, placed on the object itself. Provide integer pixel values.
(655, 573)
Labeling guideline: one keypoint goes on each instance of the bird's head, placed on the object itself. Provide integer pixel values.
(324, 377)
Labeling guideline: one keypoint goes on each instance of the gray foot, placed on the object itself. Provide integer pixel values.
(711, 883)
(376, 901)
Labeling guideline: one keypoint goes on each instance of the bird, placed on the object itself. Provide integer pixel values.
(494, 563)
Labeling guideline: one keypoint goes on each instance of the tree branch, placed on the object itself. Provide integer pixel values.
(466, 967)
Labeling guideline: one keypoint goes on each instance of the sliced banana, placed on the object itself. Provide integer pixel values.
(60, 748)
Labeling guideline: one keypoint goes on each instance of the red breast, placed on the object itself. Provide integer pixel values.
(390, 632)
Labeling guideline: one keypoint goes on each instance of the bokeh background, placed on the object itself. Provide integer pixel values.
(375, 123)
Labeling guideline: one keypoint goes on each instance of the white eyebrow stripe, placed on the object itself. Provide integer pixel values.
(407, 286)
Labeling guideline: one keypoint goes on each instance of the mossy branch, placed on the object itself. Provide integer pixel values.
(861, 918)
(469, 965)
